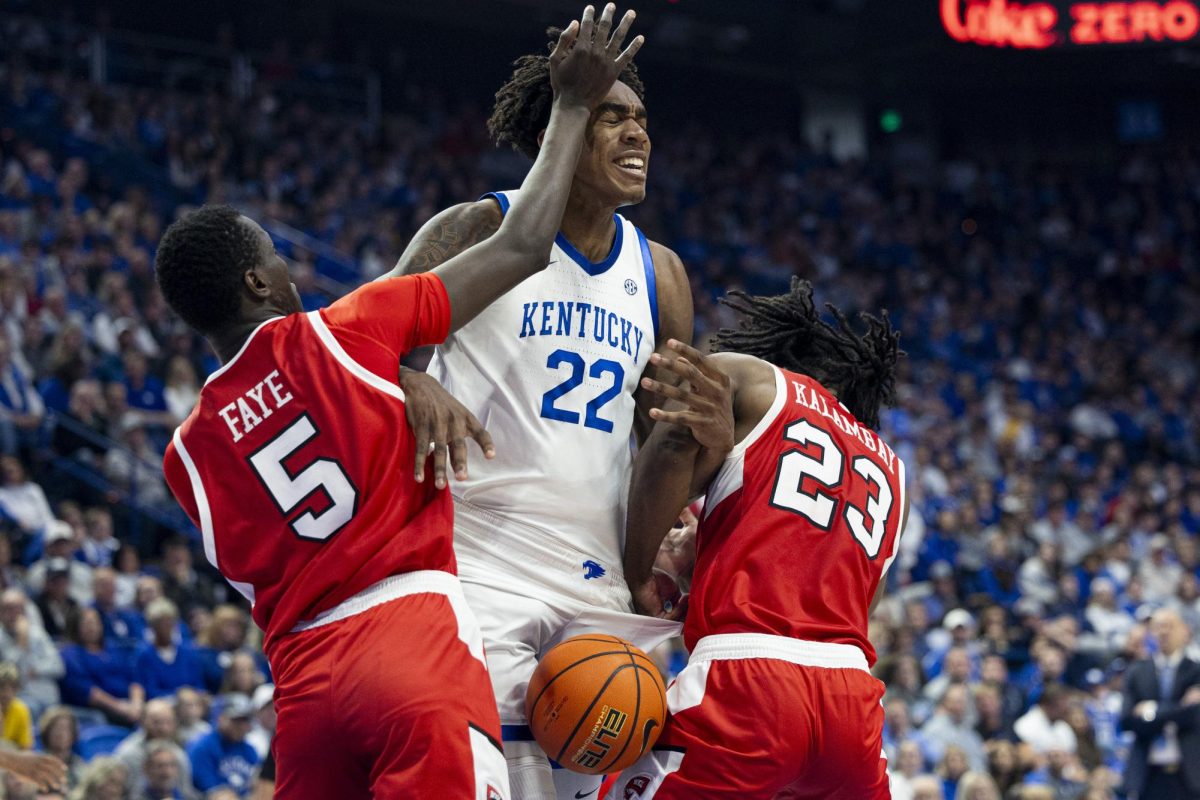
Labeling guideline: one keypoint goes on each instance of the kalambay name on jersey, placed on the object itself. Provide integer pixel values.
(550, 370)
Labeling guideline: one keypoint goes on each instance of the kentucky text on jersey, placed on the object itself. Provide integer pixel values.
(846, 425)
(243, 413)
(570, 318)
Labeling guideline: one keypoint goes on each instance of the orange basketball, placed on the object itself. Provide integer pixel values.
(596, 703)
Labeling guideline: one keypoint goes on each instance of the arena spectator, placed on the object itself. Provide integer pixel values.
(182, 390)
(159, 726)
(192, 711)
(97, 676)
(61, 545)
(952, 769)
(21, 500)
(219, 641)
(223, 758)
(164, 664)
(25, 643)
(1003, 766)
(162, 776)
(1162, 700)
(21, 408)
(17, 728)
(1044, 726)
(185, 586)
(103, 779)
(949, 725)
(927, 787)
(55, 603)
(123, 627)
(99, 545)
(134, 469)
(58, 732)
(263, 731)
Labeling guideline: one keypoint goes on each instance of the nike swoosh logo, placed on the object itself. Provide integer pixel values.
(585, 794)
(651, 724)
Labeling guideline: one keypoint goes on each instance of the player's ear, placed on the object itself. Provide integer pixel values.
(541, 137)
(253, 280)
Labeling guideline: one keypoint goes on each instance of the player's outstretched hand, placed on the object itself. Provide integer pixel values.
(46, 771)
(587, 61)
(703, 402)
(440, 423)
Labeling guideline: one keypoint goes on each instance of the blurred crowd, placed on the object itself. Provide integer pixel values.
(1048, 414)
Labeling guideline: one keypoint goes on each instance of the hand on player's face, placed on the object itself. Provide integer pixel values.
(703, 402)
(587, 61)
(440, 424)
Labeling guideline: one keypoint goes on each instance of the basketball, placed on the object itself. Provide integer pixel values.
(596, 703)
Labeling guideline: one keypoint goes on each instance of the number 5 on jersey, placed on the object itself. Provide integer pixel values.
(291, 489)
(829, 471)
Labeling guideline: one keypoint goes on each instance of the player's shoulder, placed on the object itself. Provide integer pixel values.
(479, 216)
(667, 263)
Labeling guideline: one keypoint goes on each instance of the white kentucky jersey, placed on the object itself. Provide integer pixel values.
(550, 370)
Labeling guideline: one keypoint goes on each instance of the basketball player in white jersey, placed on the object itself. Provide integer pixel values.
(552, 370)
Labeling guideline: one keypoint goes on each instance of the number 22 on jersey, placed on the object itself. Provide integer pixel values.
(599, 368)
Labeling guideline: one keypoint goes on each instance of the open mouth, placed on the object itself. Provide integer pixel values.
(634, 165)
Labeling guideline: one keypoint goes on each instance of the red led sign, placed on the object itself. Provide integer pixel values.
(999, 23)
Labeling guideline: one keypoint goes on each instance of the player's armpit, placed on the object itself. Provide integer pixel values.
(447, 234)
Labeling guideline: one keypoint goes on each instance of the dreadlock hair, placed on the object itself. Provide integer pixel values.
(787, 331)
(199, 265)
(522, 108)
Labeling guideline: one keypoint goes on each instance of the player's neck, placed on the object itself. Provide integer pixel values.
(228, 342)
(589, 225)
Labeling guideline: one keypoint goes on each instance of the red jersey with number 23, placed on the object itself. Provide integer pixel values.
(296, 463)
(799, 526)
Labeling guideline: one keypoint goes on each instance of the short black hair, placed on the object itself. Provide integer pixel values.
(522, 108)
(787, 331)
(200, 262)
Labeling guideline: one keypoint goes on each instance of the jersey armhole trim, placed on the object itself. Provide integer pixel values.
(201, 497)
(500, 198)
(651, 280)
(204, 511)
(353, 367)
(763, 424)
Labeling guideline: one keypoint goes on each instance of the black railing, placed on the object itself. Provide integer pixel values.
(141, 518)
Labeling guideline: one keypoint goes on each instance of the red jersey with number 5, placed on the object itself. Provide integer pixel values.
(800, 525)
(296, 463)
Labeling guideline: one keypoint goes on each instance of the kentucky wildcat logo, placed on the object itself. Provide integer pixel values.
(592, 570)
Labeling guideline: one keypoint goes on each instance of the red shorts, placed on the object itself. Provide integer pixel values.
(756, 716)
(387, 696)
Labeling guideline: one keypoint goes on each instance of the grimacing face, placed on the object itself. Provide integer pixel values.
(616, 152)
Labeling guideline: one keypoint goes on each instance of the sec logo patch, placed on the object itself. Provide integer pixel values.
(630, 286)
(493, 793)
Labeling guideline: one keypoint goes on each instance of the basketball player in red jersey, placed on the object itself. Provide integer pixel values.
(296, 466)
(801, 521)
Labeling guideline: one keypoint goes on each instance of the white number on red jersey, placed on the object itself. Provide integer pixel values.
(290, 490)
(828, 470)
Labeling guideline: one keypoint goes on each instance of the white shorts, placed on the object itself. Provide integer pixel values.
(529, 594)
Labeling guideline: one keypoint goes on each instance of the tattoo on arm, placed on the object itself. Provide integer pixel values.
(447, 235)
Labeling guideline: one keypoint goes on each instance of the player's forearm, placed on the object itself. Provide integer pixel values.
(661, 486)
(521, 247)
